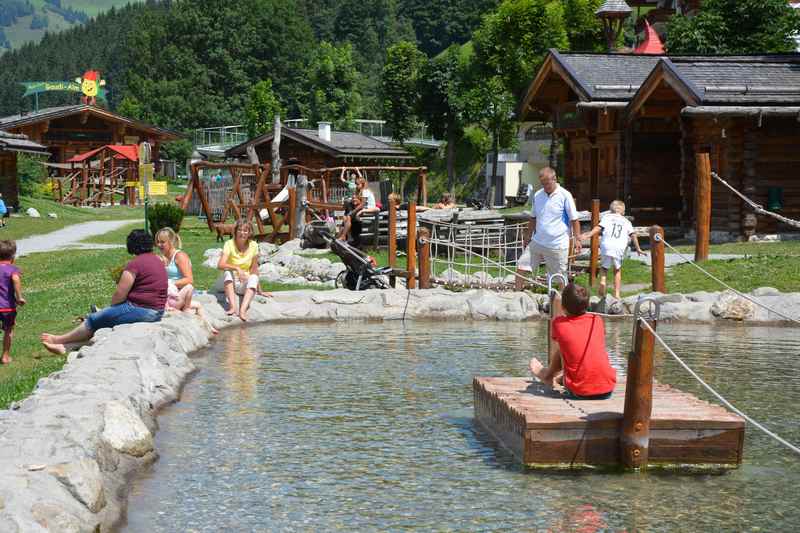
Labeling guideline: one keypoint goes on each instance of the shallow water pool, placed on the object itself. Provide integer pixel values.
(368, 427)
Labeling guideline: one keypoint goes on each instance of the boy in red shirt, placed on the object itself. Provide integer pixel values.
(579, 350)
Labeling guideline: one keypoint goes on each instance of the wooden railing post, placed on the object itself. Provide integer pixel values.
(635, 436)
(411, 243)
(424, 258)
(292, 214)
(392, 233)
(423, 177)
(595, 247)
(657, 258)
(702, 206)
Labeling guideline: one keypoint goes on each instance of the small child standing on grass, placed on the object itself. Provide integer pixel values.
(10, 295)
(615, 232)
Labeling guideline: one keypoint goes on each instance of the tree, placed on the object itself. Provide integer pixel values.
(489, 105)
(440, 85)
(130, 107)
(332, 86)
(735, 27)
(261, 108)
(399, 86)
(584, 29)
(512, 41)
(441, 23)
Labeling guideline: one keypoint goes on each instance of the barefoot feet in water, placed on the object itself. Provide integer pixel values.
(540, 372)
(49, 342)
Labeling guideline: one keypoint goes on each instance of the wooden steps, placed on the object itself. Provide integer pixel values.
(544, 428)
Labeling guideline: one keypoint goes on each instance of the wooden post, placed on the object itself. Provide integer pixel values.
(424, 258)
(635, 436)
(411, 242)
(423, 183)
(113, 180)
(84, 181)
(392, 233)
(300, 206)
(702, 206)
(292, 208)
(657, 259)
(595, 247)
(392, 237)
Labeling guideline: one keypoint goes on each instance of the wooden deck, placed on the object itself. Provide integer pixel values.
(543, 428)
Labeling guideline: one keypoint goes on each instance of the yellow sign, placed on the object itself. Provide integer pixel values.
(157, 188)
(146, 171)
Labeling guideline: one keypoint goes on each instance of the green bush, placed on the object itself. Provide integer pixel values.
(163, 215)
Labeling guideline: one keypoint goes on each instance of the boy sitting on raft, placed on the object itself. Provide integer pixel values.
(579, 349)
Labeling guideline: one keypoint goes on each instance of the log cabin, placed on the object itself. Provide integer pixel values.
(630, 126)
(10, 146)
(67, 131)
(323, 148)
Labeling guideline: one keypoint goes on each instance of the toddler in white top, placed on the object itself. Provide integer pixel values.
(616, 232)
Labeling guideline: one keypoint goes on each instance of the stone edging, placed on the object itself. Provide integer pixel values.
(70, 449)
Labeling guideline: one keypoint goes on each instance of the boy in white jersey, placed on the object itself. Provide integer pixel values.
(616, 231)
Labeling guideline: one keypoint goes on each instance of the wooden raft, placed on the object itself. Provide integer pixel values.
(542, 428)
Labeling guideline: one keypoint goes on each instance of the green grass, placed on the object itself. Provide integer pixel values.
(25, 226)
(60, 287)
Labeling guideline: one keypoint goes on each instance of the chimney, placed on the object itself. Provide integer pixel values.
(324, 131)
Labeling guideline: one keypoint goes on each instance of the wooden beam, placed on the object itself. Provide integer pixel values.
(595, 246)
(657, 259)
(411, 243)
(702, 206)
(635, 436)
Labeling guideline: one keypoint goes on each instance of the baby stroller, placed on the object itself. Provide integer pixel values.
(360, 273)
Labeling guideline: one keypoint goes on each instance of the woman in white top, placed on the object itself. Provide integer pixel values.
(368, 199)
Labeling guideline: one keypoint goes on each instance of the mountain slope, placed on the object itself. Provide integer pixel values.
(45, 16)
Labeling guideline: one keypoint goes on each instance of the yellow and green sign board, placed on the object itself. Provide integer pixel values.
(38, 87)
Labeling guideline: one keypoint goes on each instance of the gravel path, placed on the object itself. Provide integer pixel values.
(675, 259)
(71, 237)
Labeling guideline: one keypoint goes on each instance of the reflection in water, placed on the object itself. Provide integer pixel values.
(369, 427)
(240, 361)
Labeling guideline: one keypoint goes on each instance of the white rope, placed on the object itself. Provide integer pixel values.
(708, 387)
(487, 259)
(477, 243)
(756, 207)
(712, 276)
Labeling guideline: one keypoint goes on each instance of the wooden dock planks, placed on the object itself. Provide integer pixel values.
(543, 428)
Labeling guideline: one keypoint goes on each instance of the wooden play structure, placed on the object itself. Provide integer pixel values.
(285, 202)
(105, 175)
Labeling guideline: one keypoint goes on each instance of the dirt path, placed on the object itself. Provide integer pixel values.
(71, 237)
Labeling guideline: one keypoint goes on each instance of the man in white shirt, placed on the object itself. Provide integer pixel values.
(553, 215)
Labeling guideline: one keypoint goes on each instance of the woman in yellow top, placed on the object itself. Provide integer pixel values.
(240, 262)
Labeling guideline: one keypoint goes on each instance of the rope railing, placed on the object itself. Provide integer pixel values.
(468, 249)
(739, 293)
(719, 396)
(758, 208)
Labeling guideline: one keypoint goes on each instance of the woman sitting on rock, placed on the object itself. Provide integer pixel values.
(240, 262)
(140, 296)
(179, 275)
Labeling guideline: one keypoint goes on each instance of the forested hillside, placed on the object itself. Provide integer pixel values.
(190, 63)
(26, 21)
